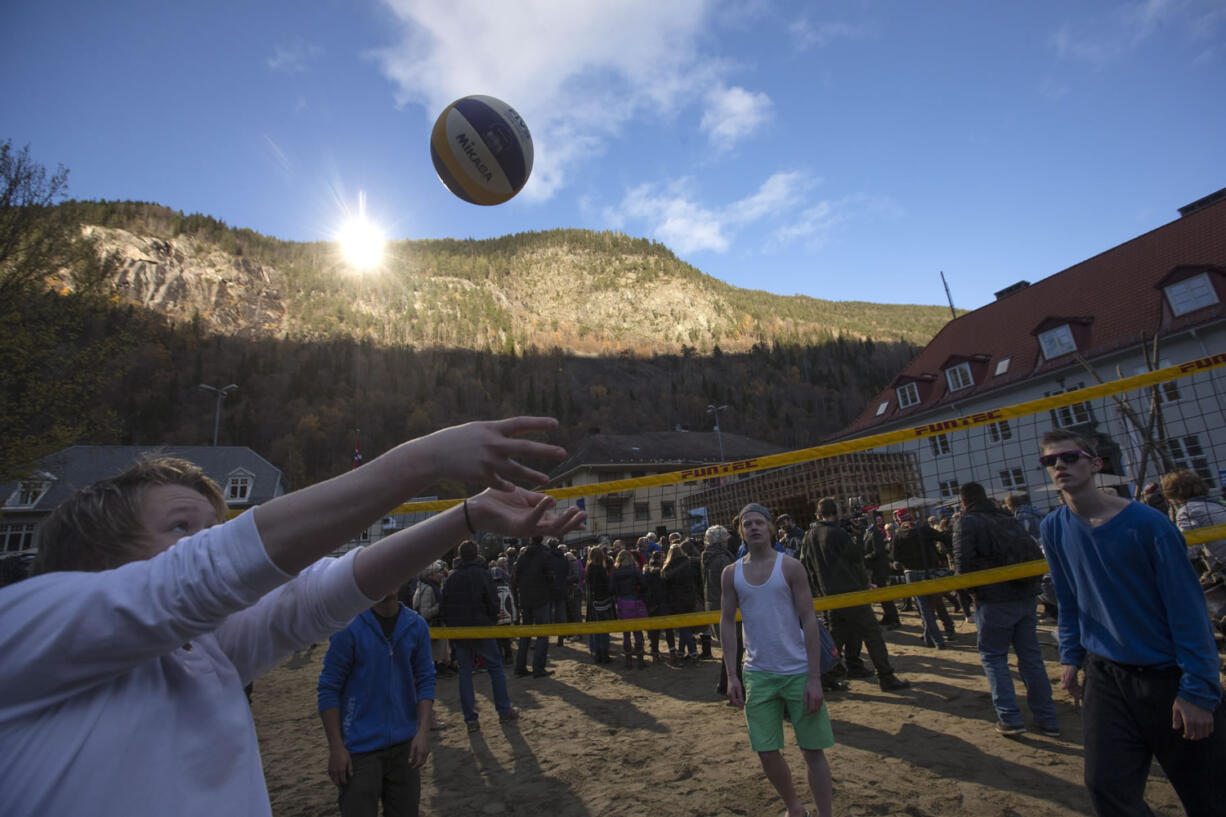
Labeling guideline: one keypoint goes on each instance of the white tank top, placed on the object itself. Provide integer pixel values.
(774, 639)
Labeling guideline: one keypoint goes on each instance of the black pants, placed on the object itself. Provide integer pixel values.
(1127, 721)
(852, 627)
(384, 775)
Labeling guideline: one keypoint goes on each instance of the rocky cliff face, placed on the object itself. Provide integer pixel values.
(184, 277)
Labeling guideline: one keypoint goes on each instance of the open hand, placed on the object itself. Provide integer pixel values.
(489, 451)
(519, 512)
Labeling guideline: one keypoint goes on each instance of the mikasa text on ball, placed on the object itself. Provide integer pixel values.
(482, 149)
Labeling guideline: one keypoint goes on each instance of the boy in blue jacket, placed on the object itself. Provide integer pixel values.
(375, 691)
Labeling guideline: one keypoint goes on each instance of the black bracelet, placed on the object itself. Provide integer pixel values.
(467, 519)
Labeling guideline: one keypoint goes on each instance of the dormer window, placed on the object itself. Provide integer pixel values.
(1190, 294)
(959, 377)
(238, 488)
(908, 395)
(1057, 341)
(30, 491)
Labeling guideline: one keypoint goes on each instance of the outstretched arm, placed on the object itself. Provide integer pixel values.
(299, 528)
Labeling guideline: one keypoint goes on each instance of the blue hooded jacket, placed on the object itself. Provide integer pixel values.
(376, 682)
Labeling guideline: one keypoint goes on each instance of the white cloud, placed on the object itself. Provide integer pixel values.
(807, 33)
(815, 224)
(733, 114)
(672, 215)
(1114, 35)
(293, 58)
(577, 72)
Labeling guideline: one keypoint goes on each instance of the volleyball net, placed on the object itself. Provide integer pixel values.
(1144, 424)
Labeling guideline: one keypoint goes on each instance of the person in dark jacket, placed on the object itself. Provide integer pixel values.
(532, 579)
(836, 565)
(678, 574)
(656, 598)
(379, 672)
(627, 582)
(877, 560)
(559, 582)
(471, 600)
(1004, 614)
(915, 549)
(600, 602)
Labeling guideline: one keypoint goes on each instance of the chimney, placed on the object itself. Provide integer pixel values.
(1012, 288)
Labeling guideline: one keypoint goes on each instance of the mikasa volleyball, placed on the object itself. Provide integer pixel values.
(481, 149)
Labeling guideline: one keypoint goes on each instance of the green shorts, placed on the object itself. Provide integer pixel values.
(766, 695)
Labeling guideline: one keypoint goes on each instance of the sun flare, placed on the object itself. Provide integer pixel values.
(361, 243)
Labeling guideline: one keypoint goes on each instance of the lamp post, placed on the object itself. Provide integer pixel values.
(714, 409)
(221, 395)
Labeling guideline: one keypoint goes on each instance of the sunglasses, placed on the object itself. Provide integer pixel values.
(1066, 457)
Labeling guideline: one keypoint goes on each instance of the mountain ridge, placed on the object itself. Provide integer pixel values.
(583, 292)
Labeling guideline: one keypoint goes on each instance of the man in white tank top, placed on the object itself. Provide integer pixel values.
(782, 660)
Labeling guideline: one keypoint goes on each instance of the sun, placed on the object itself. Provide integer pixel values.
(361, 243)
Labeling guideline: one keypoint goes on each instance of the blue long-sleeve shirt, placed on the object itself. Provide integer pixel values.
(1128, 593)
(376, 682)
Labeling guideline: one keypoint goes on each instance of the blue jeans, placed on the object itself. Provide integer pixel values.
(488, 650)
(540, 651)
(1012, 623)
(932, 632)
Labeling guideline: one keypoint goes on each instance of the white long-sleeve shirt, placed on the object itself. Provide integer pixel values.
(121, 691)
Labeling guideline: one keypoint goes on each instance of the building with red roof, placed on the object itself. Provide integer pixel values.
(1161, 296)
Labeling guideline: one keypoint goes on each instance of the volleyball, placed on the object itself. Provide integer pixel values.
(482, 149)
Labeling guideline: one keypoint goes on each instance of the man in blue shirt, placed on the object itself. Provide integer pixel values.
(1132, 614)
(375, 692)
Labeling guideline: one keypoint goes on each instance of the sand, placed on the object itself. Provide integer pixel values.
(603, 740)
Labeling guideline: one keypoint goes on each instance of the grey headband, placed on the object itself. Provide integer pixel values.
(754, 507)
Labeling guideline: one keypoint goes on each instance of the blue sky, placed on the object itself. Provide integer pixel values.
(846, 150)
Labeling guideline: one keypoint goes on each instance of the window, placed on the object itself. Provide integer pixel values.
(940, 444)
(1056, 342)
(640, 512)
(1187, 453)
(959, 377)
(29, 492)
(1002, 366)
(637, 474)
(949, 489)
(1191, 294)
(238, 489)
(613, 510)
(908, 395)
(1074, 415)
(16, 536)
(668, 510)
(610, 476)
(1012, 478)
(999, 432)
(885, 404)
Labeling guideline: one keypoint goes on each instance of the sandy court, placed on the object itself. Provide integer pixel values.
(602, 740)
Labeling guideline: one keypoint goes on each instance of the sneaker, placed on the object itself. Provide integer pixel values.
(474, 725)
(511, 714)
(1009, 730)
(1051, 730)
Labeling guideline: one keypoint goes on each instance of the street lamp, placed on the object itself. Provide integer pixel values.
(221, 395)
(714, 409)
